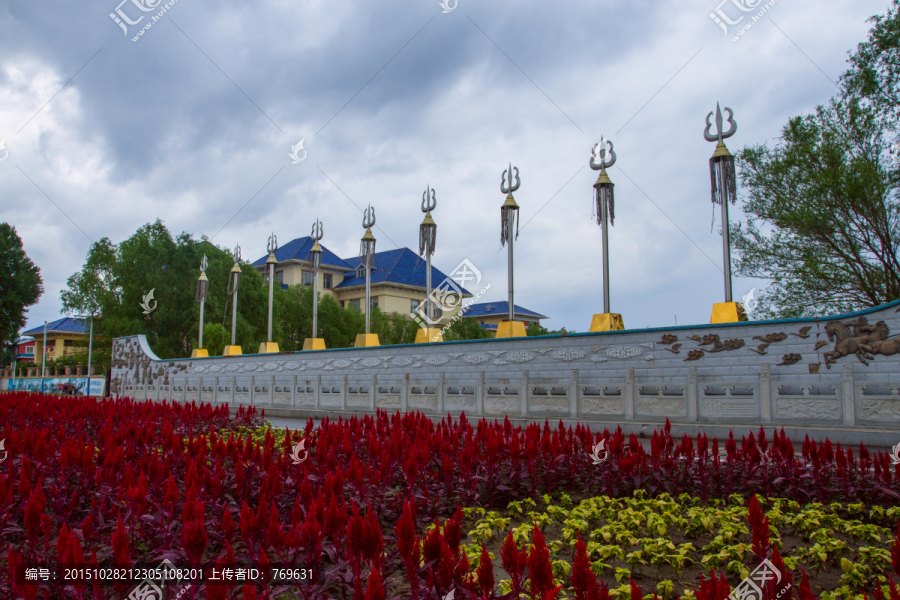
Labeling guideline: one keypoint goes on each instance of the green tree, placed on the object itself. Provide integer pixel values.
(466, 328)
(116, 279)
(392, 328)
(538, 329)
(822, 204)
(215, 338)
(20, 285)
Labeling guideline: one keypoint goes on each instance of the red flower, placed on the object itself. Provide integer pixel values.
(583, 579)
(539, 568)
(635, 590)
(485, 572)
(513, 561)
(895, 551)
(194, 540)
(759, 528)
(406, 531)
(34, 510)
(803, 592)
(120, 544)
(716, 588)
(375, 587)
(228, 525)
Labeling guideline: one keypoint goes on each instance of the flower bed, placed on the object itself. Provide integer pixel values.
(123, 482)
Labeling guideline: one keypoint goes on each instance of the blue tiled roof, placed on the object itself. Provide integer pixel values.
(498, 308)
(299, 250)
(65, 325)
(401, 266)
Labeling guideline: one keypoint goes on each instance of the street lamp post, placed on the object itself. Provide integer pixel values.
(602, 157)
(427, 240)
(202, 289)
(315, 257)
(509, 213)
(723, 180)
(270, 347)
(233, 283)
(367, 252)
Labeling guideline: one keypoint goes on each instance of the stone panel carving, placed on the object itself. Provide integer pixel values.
(305, 400)
(388, 401)
(568, 354)
(660, 407)
(476, 359)
(879, 409)
(437, 360)
(315, 364)
(550, 404)
(727, 407)
(401, 361)
(501, 405)
(602, 406)
(423, 402)
(370, 362)
(340, 363)
(807, 408)
(624, 352)
(520, 357)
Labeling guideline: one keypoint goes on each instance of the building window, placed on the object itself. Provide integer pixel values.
(306, 277)
(361, 271)
(327, 278)
(279, 277)
(438, 313)
(373, 302)
(414, 305)
(354, 304)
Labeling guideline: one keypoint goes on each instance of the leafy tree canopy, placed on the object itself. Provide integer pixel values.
(20, 285)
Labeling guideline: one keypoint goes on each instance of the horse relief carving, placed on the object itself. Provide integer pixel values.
(859, 338)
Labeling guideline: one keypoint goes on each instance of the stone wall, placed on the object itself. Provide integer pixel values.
(835, 376)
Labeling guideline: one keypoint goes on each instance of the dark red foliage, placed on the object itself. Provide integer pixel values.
(714, 588)
(759, 529)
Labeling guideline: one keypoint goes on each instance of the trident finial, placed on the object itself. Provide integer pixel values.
(599, 154)
(237, 253)
(316, 233)
(429, 202)
(273, 244)
(369, 218)
(719, 137)
(203, 264)
(506, 186)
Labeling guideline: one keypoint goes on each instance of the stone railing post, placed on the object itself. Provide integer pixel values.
(440, 393)
(523, 394)
(574, 400)
(693, 395)
(404, 394)
(849, 394)
(629, 394)
(765, 392)
(272, 390)
(294, 391)
(479, 394)
(318, 394)
(233, 386)
(372, 392)
(345, 390)
(216, 391)
(252, 388)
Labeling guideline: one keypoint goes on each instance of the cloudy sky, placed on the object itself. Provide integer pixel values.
(193, 123)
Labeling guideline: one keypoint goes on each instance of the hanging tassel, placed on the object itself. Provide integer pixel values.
(504, 218)
(233, 282)
(202, 288)
(604, 193)
(427, 238)
(716, 165)
(367, 251)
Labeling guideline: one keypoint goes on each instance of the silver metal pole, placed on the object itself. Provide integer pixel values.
(726, 237)
(368, 292)
(90, 353)
(511, 220)
(604, 213)
(271, 297)
(429, 307)
(44, 357)
(234, 310)
(315, 327)
(202, 302)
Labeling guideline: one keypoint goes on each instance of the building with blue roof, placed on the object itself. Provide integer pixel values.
(62, 338)
(397, 277)
(491, 314)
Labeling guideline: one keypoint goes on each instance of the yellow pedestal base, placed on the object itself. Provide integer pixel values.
(366, 340)
(511, 329)
(201, 353)
(728, 312)
(607, 322)
(232, 351)
(427, 336)
(313, 344)
(268, 348)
